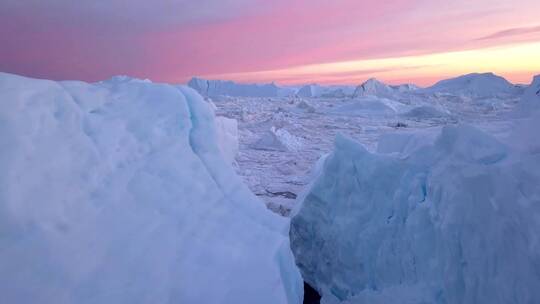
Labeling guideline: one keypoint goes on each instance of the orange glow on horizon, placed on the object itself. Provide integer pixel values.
(516, 62)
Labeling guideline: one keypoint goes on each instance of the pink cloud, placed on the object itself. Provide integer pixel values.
(173, 40)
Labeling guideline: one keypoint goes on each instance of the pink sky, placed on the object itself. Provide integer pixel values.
(174, 40)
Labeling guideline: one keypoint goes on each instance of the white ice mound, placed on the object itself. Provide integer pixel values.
(475, 85)
(304, 106)
(373, 87)
(117, 192)
(456, 221)
(277, 139)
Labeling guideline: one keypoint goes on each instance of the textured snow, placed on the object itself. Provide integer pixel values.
(455, 221)
(117, 192)
(374, 87)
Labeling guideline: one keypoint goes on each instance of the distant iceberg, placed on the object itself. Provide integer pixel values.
(319, 91)
(230, 88)
(475, 85)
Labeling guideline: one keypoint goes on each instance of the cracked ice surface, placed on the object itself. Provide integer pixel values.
(311, 125)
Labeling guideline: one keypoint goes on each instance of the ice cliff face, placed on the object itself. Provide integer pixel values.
(117, 192)
(227, 137)
(527, 114)
(454, 221)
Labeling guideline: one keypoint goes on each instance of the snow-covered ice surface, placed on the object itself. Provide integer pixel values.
(279, 174)
(123, 191)
(440, 215)
(117, 192)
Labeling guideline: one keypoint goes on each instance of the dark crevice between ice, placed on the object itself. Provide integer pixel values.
(284, 194)
(311, 296)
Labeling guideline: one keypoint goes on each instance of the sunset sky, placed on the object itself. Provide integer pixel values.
(287, 41)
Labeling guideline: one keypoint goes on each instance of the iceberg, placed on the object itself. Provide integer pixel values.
(453, 220)
(373, 87)
(475, 85)
(277, 139)
(229, 88)
(319, 91)
(117, 192)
